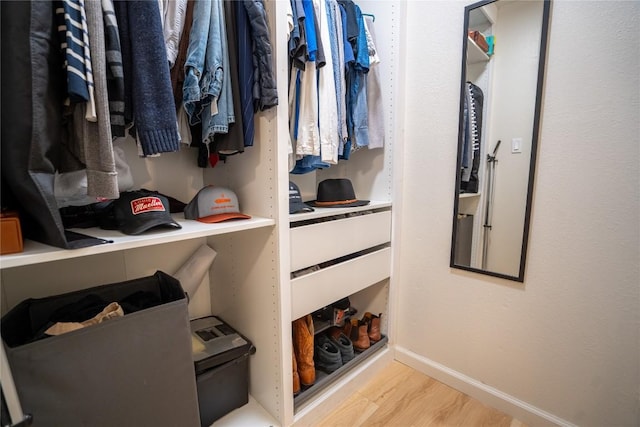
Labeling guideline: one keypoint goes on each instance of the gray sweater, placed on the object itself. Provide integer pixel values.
(93, 139)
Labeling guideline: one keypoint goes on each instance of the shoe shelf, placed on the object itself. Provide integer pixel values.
(324, 380)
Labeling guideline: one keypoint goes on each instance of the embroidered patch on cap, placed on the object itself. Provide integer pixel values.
(146, 204)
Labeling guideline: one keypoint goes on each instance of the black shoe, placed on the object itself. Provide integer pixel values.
(326, 355)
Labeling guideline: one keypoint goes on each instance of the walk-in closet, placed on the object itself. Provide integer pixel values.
(545, 330)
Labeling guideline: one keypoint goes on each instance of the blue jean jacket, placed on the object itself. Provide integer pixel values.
(218, 57)
(206, 72)
(358, 93)
(195, 75)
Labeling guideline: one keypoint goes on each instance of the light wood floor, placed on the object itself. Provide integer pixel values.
(401, 396)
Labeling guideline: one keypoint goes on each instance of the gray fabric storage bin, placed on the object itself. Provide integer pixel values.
(135, 370)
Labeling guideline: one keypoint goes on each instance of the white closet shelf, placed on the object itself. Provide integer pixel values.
(251, 414)
(324, 212)
(35, 252)
(475, 54)
(468, 195)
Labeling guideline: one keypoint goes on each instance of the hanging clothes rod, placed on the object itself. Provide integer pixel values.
(371, 15)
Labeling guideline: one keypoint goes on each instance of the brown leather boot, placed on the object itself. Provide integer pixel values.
(303, 349)
(359, 336)
(373, 326)
(346, 329)
(351, 329)
(335, 332)
(296, 377)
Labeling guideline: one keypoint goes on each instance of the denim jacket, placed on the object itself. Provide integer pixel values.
(221, 112)
(195, 76)
(207, 88)
(358, 89)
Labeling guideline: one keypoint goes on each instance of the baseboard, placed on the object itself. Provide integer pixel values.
(518, 409)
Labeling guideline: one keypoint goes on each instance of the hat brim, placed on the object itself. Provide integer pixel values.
(149, 224)
(299, 208)
(212, 219)
(337, 204)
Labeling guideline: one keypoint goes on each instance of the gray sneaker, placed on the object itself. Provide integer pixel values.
(344, 345)
(327, 354)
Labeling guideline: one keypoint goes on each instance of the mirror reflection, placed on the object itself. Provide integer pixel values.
(503, 49)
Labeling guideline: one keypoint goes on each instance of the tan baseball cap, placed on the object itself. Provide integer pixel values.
(214, 204)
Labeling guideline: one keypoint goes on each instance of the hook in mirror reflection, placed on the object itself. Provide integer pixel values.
(503, 51)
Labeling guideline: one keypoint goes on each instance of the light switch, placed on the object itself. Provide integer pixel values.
(516, 145)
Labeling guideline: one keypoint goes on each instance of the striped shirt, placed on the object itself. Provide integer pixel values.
(115, 75)
(72, 26)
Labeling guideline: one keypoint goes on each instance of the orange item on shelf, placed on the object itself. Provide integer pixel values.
(10, 233)
(479, 39)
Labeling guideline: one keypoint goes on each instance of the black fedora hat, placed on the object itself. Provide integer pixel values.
(336, 193)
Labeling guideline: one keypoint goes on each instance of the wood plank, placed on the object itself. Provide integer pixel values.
(402, 396)
(354, 412)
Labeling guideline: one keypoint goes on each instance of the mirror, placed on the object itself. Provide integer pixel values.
(503, 51)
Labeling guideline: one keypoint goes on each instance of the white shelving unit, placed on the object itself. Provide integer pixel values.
(353, 256)
(249, 283)
(352, 246)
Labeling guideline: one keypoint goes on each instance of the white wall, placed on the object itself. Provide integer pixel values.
(564, 346)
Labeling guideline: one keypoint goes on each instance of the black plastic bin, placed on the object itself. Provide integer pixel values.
(221, 362)
(135, 370)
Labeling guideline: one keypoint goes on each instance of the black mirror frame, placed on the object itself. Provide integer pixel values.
(534, 142)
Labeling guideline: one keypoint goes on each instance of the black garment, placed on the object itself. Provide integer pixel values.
(245, 72)
(231, 142)
(473, 104)
(33, 86)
